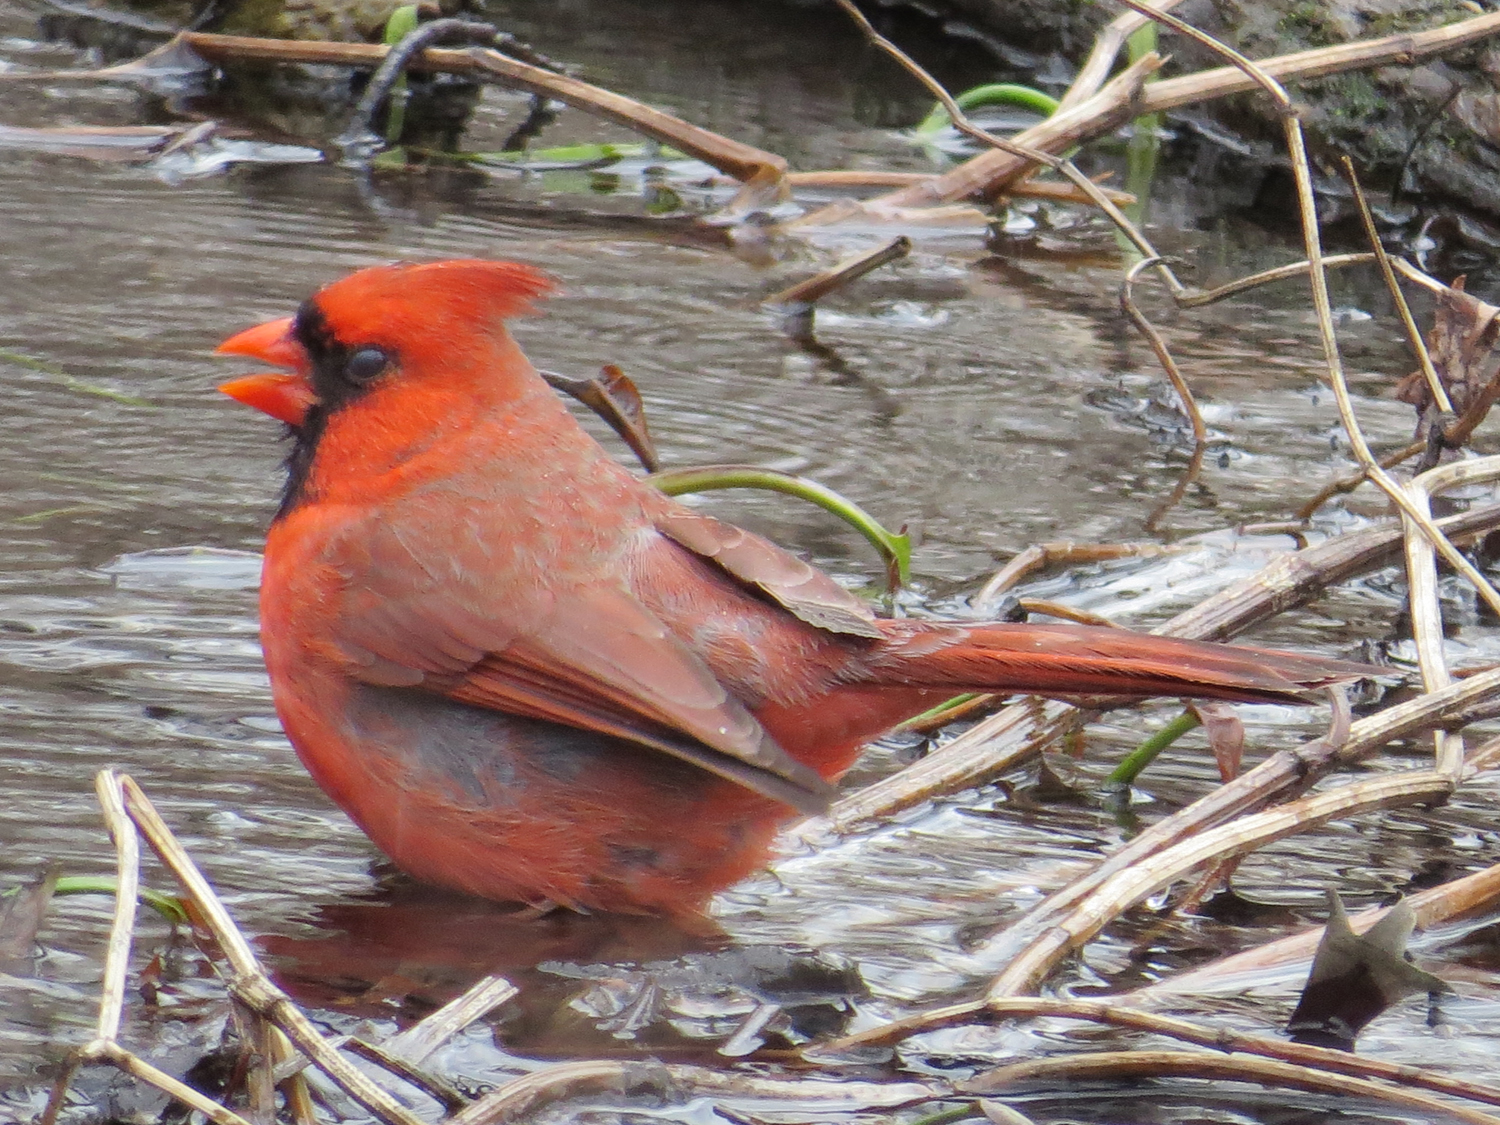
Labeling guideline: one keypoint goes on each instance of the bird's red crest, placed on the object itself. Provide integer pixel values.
(427, 301)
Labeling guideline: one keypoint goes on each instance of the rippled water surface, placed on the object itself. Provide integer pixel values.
(987, 399)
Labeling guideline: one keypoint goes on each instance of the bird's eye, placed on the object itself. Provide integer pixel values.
(364, 364)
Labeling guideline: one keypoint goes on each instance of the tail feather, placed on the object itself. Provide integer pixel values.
(1086, 660)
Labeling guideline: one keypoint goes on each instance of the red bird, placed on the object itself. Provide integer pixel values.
(531, 676)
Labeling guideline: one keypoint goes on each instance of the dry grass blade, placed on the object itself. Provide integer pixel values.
(249, 982)
(1159, 347)
(127, 887)
(104, 1048)
(1139, 880)
(1426, 611)
(1115, 1065)
(1393, 287)
(1113, 1014)
(1278, 774)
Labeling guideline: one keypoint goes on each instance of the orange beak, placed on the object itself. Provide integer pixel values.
(286, 397)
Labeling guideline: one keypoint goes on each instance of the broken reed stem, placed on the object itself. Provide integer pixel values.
(127, 889)
(1105, 50)
(422, 1038)
(815, 288)
(1111, 1012)
(1426, 611)
(248, 981)
(1201, 1064)
(1282, 771)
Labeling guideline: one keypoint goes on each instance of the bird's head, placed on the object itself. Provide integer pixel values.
(379, 325)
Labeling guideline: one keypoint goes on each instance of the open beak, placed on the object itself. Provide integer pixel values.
(286, 397)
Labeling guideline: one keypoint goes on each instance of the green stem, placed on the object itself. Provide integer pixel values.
(895, 549)
(402, 22)
(1123, 775)
(999, 93)
(168, 906)
(946, 705)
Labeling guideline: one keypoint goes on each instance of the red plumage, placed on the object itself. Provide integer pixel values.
(528, 675)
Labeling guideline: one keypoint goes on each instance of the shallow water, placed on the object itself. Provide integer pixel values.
(987, 400)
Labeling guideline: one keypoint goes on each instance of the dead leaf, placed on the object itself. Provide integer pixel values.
(21, 915)
(615, 398)
(1226, 736)
(1355, 977)
(1464, 330)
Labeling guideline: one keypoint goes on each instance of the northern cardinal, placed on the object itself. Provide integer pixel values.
(531, 676)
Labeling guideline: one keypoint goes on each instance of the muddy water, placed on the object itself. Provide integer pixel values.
(987, 400)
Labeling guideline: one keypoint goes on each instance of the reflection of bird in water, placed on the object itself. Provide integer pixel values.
(530, 676)
(585, 982)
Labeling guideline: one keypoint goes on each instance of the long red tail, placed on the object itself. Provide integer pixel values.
(1086, 660)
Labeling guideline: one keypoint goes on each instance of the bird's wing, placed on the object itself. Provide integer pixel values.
(586, 655)
(798, 587)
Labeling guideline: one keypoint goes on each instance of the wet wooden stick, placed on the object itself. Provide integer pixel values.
(1110, 1065)
(815, 288)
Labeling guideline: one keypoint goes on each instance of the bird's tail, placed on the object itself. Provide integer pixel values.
(1085, 660)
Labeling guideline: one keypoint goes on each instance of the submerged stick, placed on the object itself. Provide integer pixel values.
(815, 288)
